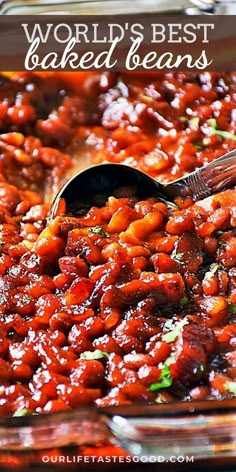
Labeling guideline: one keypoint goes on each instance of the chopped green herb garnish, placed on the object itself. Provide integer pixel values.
(212, 122)
(99, 230)
(224, 134)
(231, 387)
(94, 355)
(232, 307)
(26, 299)
(198, 145)
(165, 380)
(219, 233)
(177, 257)
(158, 400)
(194, 121)
(169, 324)
(22, 412)
(172, 335)
(184, 301)
(170, 360)
(202, 368)
(146, 97)
(214, 130)
(214, 269)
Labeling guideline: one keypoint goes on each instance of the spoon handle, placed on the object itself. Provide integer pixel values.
(212, 178)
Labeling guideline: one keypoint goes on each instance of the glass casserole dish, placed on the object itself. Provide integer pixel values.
(205, 429)
(14, 7)
(93, 7)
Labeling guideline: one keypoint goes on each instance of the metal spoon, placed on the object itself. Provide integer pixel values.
(94, 185)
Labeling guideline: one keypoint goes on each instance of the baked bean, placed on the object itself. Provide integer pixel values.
(88, 373)
(139, 229)
(180, 224)
(215, 310)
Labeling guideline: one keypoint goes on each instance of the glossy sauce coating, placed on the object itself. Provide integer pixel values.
(128, 302)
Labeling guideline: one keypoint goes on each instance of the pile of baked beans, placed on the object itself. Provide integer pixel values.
(132, 301)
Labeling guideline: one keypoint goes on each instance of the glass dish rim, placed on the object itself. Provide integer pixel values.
(146, 423)
(138, 409)
(88, 7)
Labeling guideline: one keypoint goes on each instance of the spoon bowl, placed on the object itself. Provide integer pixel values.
(94, 185)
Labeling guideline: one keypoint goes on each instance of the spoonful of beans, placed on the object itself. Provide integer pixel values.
(95, 184)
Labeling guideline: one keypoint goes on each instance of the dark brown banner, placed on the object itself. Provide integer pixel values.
(126, 43)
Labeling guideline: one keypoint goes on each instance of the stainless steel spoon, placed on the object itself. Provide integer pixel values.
(94, 185)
